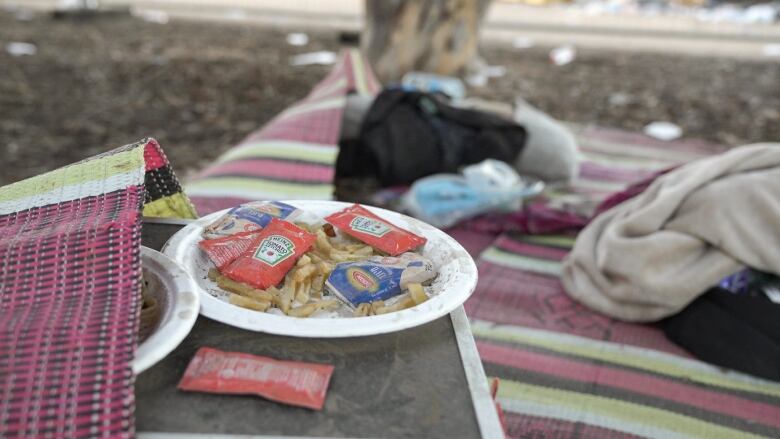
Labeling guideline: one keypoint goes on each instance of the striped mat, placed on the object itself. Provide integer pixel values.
(568, 372)
(565, 372)
(70, 275)
(294, 155)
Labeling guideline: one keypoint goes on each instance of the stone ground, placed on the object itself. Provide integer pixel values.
(201, 87)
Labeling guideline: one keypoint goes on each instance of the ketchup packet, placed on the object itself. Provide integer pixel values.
(359, 223)
(249, 217)
(280, 244)
(227, 249)
(288, 382)
(378, 278)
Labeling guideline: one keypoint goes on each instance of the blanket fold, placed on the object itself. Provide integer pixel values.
(649, 257)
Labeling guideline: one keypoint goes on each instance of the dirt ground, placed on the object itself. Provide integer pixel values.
(199, 88)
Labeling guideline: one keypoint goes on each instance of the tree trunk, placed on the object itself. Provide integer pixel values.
(437, 36)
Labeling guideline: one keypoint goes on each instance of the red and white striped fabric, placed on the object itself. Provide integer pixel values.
(70, 275)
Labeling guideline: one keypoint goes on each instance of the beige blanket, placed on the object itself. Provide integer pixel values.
(649, 257)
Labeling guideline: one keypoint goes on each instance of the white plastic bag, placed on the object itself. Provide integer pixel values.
(443, 200)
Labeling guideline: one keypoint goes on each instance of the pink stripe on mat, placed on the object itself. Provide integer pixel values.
(265, 168)
(318, 126)
(526, 249)
(523, 426)
(515, 297)
(602, 375)
(596, 171)
(207, 205)
(634, 140)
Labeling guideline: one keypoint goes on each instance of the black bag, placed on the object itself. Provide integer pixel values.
(407, 135)
(738, 331)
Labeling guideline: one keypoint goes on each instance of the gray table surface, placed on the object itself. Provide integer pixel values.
(412, 383)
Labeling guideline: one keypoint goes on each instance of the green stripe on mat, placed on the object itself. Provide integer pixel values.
(630, 356)
(560, 241)
(594, 185)
(248, 185)
(607, 412)
(308, 107)
(92, 170)
(324, 154)
(359, 73)
(627, 163)
(633, 150)
(528, 263)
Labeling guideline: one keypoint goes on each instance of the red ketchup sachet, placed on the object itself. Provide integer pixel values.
(360, 223)
(227, 249)
(280, 244)
(288, 382)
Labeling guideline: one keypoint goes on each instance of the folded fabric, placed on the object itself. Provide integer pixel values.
(649, 257)
(738, 331)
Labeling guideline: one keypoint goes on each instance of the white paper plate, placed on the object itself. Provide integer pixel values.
(456, 281)
(176, 294)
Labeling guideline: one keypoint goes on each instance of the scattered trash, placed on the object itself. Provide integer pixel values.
(12, 148)
(24, 15)
(431, 83)
(562, 55)
(480, 72)
(761, 13)
(21, 49)
(495, 71)
(160, 60)
(324, 58)
(619, 99)
(297, 39)
(477, 79)
(77, 4)
(522, 43)
(663, 130)
(153, 16)
(235, 14)
(771, 50)
(765, 12)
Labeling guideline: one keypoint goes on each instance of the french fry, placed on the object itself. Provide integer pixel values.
(417, 293)
(344, 256)
(311, 308)
(304, 260)
(405, 302)
(376, 305)
(362, 310)
(242, 289)
(302, 291)
(213, 274)
(246, 302)
(325, 268)
(365, 251)
(275, 294)
(286, 296)
(304, 272)
(322, 243)
(317, 283)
